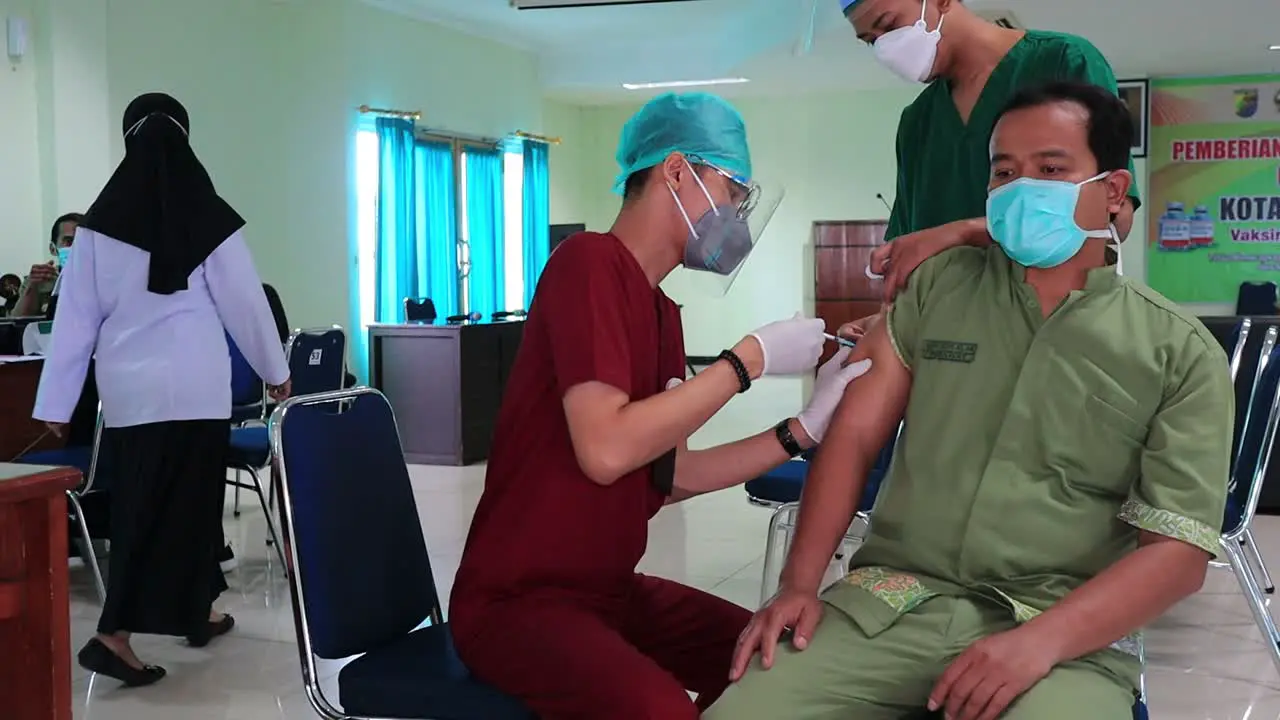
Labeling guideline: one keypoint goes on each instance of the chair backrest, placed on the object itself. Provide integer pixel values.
(1256, 440)
(277, 312)
(1256, 298)
(317, 359)
(246, 386)
(1239, 338)
(419, 310)
(361, 577)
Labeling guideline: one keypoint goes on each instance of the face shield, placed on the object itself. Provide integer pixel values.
(722, 238)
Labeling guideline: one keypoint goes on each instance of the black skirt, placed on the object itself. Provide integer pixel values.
(168, 482)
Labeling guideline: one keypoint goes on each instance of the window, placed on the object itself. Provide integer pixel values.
(508, 250)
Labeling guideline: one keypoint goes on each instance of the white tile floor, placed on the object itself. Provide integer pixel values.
(1206, 659)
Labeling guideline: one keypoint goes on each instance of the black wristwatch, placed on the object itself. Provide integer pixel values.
(788, 439)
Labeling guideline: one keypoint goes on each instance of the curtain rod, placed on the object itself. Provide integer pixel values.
(537, 138)
(406, 114)
(429, 133)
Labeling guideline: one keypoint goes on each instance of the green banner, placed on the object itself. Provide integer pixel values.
(1214, 204)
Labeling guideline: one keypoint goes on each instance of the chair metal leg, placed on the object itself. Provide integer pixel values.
(1255, 558)
(1253, 595)
(769, 578)
(271, 525)
(271, 488)
(86, 544)
(235, 507)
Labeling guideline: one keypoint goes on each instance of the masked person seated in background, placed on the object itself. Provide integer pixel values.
(1059, 483)
(39, 285)
(10, 291)
(592, 440)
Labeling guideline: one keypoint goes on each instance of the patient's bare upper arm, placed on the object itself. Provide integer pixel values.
(873, 404)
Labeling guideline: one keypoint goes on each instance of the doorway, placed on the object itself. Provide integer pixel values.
(842, 290)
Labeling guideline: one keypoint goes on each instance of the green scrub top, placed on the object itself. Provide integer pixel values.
(944, 165)
(1035, 449)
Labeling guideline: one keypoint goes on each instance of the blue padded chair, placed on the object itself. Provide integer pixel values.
(1238, 341)
(249, 451)
(780, 490)
(248, 395)
(421, 310)
(1256, 443)
(249, 404)
(345, 498)
(317, 359)
(90, 461)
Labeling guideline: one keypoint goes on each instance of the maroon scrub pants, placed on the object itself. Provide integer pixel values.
(632, 658)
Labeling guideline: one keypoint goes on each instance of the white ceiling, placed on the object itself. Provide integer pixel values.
(587, 53)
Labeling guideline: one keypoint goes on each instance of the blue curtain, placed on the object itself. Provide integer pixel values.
(397, 270)
(438, 236)
(537, 216)
(485, 223)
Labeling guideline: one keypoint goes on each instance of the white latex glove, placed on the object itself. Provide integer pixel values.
(827, 391)
(791, 347)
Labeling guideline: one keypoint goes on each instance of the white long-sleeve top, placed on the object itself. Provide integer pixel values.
(159, 357)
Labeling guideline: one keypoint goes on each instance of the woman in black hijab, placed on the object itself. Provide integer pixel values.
(158, 276)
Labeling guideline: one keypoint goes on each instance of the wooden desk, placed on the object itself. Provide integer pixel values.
(445, 383)
(18, 385)
(35, 620)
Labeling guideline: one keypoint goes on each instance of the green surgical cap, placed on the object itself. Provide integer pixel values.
(697, 124)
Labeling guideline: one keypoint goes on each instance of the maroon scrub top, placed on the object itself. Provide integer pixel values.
(543, 527)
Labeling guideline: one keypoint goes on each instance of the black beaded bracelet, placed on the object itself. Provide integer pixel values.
(744, 378)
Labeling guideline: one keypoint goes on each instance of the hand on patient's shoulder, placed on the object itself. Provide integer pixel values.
(793, 611)
(833, 377)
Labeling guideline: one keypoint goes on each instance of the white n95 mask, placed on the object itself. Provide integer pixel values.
(910, 51)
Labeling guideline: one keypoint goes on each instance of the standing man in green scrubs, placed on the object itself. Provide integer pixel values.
(972, 67)
(1015, 554)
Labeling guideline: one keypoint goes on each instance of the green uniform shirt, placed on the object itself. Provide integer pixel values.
(944, 165)
(1034, 448)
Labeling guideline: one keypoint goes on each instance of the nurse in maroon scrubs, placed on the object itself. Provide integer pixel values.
(592, 439)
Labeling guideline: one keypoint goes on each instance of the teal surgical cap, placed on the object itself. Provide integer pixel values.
(698, 124)
(846, 4)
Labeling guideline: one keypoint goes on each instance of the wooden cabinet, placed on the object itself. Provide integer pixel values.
(35, 622)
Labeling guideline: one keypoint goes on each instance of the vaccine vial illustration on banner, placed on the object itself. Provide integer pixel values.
(1175, 228)
(1201, 228)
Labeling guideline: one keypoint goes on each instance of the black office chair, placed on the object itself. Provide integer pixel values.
(419, 310)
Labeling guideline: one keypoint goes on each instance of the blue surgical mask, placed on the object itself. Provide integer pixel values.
(1035, 221)
(63, 254)
(720, 239)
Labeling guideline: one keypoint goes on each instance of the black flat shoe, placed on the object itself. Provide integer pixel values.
(211, 630)
(96, 657)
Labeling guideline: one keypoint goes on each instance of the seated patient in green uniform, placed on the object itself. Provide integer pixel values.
(1059, 483)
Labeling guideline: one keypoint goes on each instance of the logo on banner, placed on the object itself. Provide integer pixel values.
(1247, 103)
(315, 357)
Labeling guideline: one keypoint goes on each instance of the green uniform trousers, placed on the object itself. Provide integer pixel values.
(846, 675)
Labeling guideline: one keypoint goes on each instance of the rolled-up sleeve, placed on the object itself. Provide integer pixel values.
(237, 293)
(1182, 490)
(75, 335)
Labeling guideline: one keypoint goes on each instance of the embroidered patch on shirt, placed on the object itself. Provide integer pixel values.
(948, 351)
(899, 591)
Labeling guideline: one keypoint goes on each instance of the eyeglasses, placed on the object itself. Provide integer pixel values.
(742, 192)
